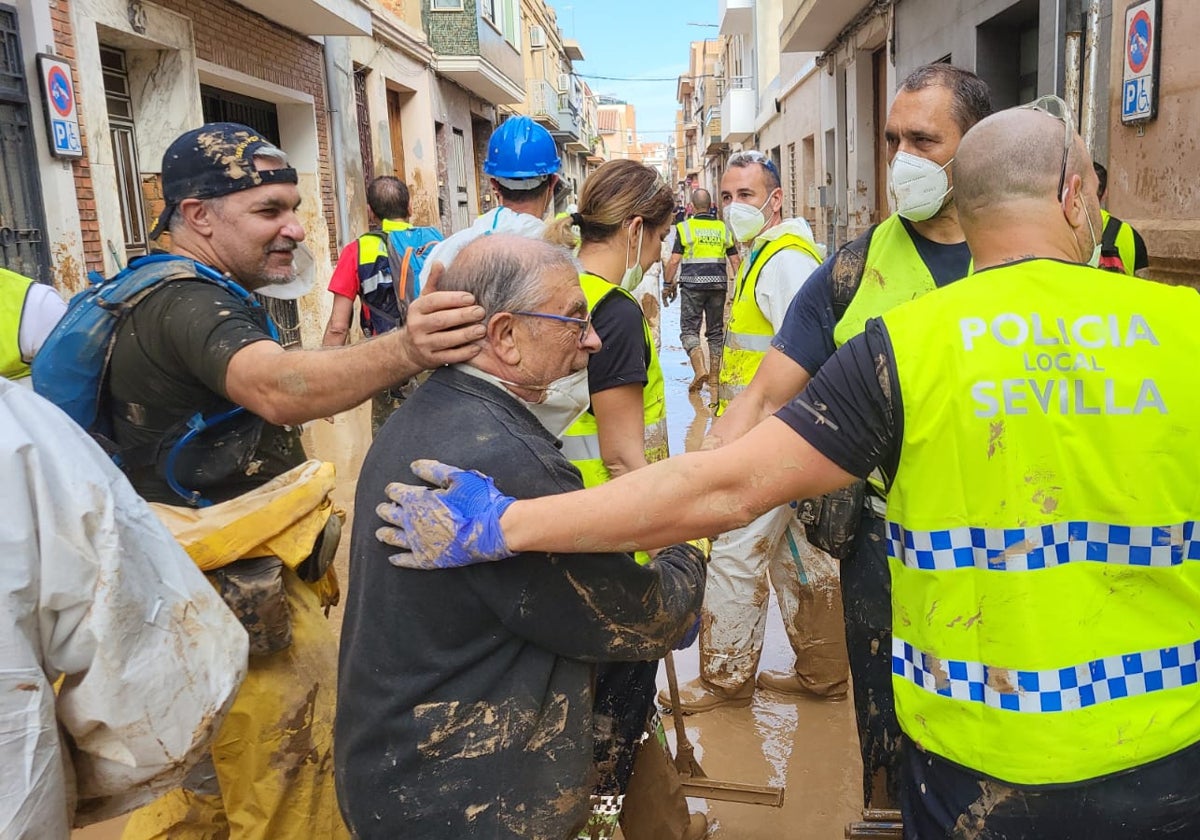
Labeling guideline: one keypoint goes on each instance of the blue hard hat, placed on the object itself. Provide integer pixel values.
(520, 148)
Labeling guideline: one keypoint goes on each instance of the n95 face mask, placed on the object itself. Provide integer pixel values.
(919, 186)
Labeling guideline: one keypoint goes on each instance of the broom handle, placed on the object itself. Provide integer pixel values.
(681, 740)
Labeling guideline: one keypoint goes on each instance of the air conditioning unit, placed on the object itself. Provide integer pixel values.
(537, 38)
(564, 82)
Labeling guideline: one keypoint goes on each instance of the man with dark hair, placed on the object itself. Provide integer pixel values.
(914, 251)
(704, 246)
(364, 271)
(781, 256)
(1122, 248)
(522, 165)
(206, 402)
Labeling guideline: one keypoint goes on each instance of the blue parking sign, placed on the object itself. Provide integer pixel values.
(66, 137)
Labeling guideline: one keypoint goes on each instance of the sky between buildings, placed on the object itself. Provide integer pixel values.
(645, 39)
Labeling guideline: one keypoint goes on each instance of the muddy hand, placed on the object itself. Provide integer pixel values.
(455, 523)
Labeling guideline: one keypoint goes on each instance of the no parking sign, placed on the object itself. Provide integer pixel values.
(62, 111)
(1139, 89)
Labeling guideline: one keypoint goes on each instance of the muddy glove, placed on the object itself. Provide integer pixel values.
(669, 293)
(455, 523)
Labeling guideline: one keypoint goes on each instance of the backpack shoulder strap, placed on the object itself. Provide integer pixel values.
(1108, 239)
(846, 273)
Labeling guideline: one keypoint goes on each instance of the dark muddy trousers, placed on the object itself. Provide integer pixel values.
(867, 604)
(623, 698)
(943, 800)
(705, 303)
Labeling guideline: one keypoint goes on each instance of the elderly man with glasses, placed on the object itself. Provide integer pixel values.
(465, 697)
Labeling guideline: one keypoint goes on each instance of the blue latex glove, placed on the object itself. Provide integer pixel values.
(455, 523)
(689, 638)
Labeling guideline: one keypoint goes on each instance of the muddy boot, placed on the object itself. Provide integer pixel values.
(602, 822)
(714, 380)
(791, 683)
(696, 355)
(700, 696)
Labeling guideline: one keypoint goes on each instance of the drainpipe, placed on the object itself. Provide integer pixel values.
(1092, 61)
(1072, 58)
(339, 102)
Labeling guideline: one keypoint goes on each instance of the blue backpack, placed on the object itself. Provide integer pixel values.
(388, 297)
(71, 368)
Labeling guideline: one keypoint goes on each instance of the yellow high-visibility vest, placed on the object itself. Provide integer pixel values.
(1043, 536)
(14, 289)
(748, 337)
(580, 442)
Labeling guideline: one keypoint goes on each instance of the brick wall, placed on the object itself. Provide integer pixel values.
(64, 45)
(452, 33)
(233, 37)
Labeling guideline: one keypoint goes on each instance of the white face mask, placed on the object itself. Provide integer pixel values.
(304, 277)
(633, 273)
(919, 187)
(745, 220)
(565, 401)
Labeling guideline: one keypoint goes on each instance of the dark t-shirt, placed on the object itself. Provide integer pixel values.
(851, 412)
(169, 362)
(806, 336)
(623, 357)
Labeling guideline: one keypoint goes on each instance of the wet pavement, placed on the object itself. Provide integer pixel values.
(807, 746)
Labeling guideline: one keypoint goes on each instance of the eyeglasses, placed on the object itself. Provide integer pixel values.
(1057, 108)
(585, 324)
(754, 157)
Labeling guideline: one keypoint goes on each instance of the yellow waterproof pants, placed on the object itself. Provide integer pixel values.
(274, 753)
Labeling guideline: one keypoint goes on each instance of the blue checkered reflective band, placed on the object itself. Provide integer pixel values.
(1055, 690)
(1044, 546)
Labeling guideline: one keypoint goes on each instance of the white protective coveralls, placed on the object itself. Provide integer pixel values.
(96, 592)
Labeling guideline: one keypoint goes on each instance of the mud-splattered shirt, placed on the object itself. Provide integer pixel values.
(806, 336)
(851, 410)
(168, 363)
(465, 695)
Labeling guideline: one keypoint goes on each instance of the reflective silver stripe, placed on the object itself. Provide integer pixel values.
(1051, 690)
(704, 261)
(373, 282)
(877, 505)
(581, 447)
(729, 390)
(686, 230)
(745, 341)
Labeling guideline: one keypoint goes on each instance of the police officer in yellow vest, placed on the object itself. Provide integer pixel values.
(28, 312)
(702, 248)
(1040, 427)
(1122, 248)
(910, 253)
(781, 256)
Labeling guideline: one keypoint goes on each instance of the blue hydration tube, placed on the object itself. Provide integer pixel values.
(198, 423)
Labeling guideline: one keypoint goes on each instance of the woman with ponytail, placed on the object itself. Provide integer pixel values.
(625, 211)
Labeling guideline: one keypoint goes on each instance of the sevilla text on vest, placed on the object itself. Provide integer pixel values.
(1071, 336)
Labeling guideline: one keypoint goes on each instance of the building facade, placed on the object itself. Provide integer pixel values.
(1152, 164)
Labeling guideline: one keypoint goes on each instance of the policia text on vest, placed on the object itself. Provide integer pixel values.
(1066, 346)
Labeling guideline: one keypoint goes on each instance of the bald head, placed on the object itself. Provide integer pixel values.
(1013, 156)
(701, 200)
(505, 272)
